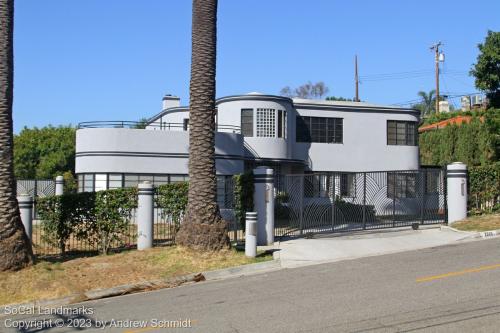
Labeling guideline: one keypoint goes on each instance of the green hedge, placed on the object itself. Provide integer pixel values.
(99, 218)
(484, 182)
(243, 196)
(173, 198)
(476, 143)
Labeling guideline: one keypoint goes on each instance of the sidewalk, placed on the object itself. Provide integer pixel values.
(341, 246)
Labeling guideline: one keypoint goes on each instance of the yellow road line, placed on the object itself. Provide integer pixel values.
(450, 274)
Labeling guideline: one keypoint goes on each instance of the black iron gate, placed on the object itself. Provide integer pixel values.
(346, 201)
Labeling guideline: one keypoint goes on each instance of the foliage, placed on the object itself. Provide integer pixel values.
(62, 215)
(243, 196)
(173, 198)
(44, 152)
(70, 182)
(341, 99)
(428, 104)
(487, 68)
(141, 124)
(307, 90)
(484, 182)
(99, 218)
(112, 212)
(476, 143)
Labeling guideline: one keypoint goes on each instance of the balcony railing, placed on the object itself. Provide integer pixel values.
(152, 126)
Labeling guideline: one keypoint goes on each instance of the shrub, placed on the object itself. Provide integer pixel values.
(243, 196)
(62, 215)
(110, 221)
(172, 199)
(484, 182)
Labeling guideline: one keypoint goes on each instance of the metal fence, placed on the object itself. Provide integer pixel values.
(165, 227)
(341, 201)
(36, 188)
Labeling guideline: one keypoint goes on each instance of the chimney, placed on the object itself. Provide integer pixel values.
(170, 101)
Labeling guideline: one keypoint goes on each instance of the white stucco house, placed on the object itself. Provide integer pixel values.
(289, 135)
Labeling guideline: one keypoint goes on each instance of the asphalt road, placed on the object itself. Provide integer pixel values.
(445, 289)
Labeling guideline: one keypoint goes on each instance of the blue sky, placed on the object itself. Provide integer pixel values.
(82, 60)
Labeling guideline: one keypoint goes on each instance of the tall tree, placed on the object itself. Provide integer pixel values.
(307, 90)
(203, 227)
(487, 69)
(427, 105)
(15, 247)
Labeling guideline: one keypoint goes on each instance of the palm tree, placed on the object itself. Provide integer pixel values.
(203, 227)
(428, 104)
(15, 247)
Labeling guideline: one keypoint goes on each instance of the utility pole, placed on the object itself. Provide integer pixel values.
(435, 48)
(356, 79)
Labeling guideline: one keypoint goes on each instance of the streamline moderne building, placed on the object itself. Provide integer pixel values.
(290, 135)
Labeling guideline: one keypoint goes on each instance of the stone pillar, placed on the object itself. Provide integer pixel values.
(251, 234)
(145, 206)
(264, 205)
(25, 202)
(59, 185)
(456, 182)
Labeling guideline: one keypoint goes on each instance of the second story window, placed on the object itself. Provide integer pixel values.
(401, 133)
(247, 122)
(266, 123)
(185, 124)
(319, 129)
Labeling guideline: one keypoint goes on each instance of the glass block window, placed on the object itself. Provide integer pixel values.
(401, 185)
(266, 123)
(115, 180)
(247, 122)
(401, 133)
(319, 129)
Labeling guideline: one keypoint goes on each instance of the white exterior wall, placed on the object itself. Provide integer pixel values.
(229, 113)
(123, 150)
(364, 146)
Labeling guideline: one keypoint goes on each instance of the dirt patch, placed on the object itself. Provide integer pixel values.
(479, 223)
(53, 279)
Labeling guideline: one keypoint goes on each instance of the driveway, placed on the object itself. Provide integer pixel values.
(341, 246)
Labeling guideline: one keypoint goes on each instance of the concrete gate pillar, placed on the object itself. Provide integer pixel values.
(145, 207)
(25, 203)
(456, 182)
(264, 204)
(59, 185)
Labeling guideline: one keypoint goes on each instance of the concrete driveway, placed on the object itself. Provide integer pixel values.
(341, 246)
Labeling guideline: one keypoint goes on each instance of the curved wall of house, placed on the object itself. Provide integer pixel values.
(279, 148)
(139, 151)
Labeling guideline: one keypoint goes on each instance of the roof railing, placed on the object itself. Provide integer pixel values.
(152, 126)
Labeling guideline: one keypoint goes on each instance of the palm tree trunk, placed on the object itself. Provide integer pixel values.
(203, 227)
(15, 247)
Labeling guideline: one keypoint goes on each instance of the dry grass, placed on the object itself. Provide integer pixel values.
(479, 223)
(48, 280)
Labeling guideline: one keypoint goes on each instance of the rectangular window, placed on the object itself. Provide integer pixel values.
(160, 180)
(319, 129)
(80, 182)
(281, 124)
(348, 184)
(401, 185)
(101, 182)
(131, 180)
(401, 133)
(185, 124)
(318, 185)
(247, 122)
(266, 126)
(433, 182)
(115, 180)
(178, 178)
(88, 182)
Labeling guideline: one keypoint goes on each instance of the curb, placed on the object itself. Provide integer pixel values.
(475, 234)
(92, 295)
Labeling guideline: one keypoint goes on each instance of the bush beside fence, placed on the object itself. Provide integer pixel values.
(484, 191)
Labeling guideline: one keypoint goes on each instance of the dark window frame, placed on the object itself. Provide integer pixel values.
(401, 185)
(397, 136)
(319, 129)
(244, 114)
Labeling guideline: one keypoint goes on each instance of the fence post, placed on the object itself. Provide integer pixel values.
(364, 200)
(145, 207)
(264, 205)
(251, 234)
(456, 183)
(25, 203)
(59, 185)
